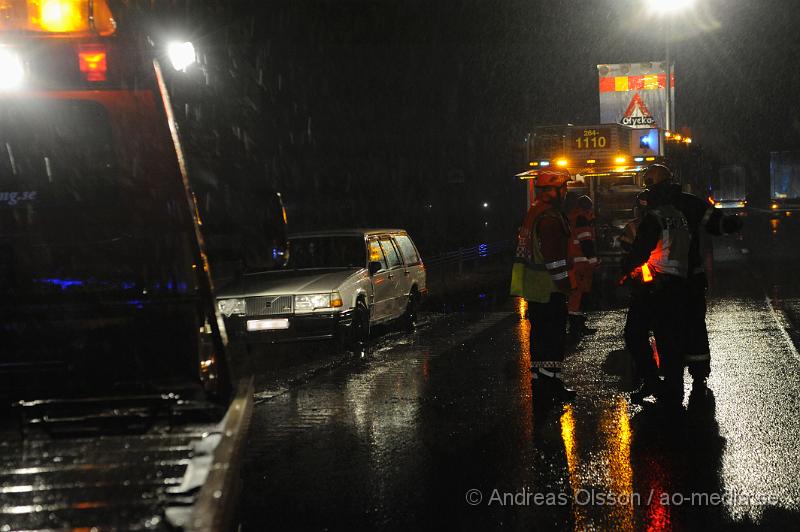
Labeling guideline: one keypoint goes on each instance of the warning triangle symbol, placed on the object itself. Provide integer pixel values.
(637, 114)
(637, 104)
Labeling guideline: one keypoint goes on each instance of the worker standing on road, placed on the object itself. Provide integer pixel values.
(660, 254)
(583, 260)
(540, 276)
(699, 215)
(638, 319)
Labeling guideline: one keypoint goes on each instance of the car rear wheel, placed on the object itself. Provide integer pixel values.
(410, 315)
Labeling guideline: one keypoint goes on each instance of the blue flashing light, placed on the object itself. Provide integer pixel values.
(544, 163)
(638, 159)
(62, 283)
(649, 141)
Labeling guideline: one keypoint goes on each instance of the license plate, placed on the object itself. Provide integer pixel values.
(267, 325)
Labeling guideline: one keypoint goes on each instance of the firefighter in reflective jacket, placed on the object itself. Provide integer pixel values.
(637, 323)
(583, 259)
(540, 276)
(703, 219)
(661, 248)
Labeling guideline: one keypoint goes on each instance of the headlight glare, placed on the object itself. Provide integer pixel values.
(231, 307)
(11, 70)
(311, 302)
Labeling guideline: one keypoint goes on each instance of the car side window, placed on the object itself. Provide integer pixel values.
(407, 249)
(375, 253)
(391, 254)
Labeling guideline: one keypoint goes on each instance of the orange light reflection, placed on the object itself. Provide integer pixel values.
(573, 465)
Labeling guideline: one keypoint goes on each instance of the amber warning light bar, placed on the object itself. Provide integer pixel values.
(83, 17)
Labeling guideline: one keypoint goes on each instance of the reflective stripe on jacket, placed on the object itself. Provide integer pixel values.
(671, 254)
(540, 267)
(582, 236)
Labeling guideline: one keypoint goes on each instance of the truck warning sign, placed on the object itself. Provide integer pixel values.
(637, 114)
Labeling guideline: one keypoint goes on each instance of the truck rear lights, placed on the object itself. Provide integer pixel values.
(93, 64)
(11, 70)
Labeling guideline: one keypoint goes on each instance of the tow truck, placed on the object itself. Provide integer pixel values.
(605, 161)
(119, 409)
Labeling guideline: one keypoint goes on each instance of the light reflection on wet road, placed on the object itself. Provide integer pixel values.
(398, 439)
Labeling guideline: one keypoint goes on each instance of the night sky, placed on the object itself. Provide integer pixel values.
(412, 113)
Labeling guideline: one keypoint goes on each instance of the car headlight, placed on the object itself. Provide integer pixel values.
(230, 307)
(307, 303)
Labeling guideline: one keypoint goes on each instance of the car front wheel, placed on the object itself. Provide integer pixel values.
(360, 327)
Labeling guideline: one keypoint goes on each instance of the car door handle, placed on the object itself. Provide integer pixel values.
(407, 273)
(390, 276)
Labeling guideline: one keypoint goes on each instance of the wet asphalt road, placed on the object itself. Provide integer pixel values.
(438, 429)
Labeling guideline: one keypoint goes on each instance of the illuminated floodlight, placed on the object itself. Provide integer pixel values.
(11, 70)
(665, 7)
(181, 55)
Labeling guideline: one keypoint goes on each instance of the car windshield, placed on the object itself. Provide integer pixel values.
(242, 222)
(327, 252)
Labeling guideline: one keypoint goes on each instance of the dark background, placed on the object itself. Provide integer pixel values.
(413, 113)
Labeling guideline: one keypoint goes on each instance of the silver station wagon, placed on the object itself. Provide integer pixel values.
(335, 284)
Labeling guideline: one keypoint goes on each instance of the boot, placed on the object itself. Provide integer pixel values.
(699, 386)
(561, 392)
(552, 388)
(672, 394)
(650, 386)
(577, 326)
(586, 330)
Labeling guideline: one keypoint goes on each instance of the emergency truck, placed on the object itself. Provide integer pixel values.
(784, 173)
(605, 162)
(118, 408)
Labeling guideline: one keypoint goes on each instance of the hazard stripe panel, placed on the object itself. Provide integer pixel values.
(635, 83)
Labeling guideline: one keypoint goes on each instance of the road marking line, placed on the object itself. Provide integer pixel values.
(786, 336)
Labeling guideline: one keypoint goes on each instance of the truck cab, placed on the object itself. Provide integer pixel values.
(604, 161)
(784, 171)
(118, 408)
(729, 189)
